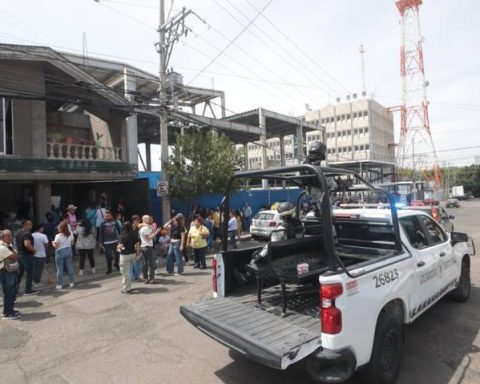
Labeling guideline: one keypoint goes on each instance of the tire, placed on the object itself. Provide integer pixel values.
(387, 351)
(462, 292)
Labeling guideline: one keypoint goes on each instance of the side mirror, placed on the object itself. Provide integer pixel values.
(451, 217)
(458, 237)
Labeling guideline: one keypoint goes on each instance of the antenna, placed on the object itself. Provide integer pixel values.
(362, 63)
(84, 50)
(416, 141)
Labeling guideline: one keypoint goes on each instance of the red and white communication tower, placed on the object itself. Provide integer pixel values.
(416, 149)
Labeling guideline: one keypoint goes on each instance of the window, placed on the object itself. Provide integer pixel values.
(436, 233)
(367, 147)
(354, 115)
(365, 130)
(414, 232)
(6, 126)
(348, 116)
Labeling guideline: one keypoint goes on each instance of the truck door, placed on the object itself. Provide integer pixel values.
(425, 282)
(439, 244)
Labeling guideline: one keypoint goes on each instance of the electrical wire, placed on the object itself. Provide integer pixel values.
(231, 42)
(100, 2)
(275, 42)
(285, 36)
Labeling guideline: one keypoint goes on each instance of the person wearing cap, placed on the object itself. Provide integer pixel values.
(72, 224)
(177, 239)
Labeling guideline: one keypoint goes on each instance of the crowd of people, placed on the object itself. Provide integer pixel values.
(131, 246)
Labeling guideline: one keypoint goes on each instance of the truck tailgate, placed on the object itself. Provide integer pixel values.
(256, 333)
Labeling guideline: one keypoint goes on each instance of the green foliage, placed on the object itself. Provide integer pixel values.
(469, 177)
(201, 163)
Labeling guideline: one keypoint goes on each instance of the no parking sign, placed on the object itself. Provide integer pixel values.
(162, 189)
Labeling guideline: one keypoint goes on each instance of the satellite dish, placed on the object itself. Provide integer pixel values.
(348, 97)
(354, 95)
(338, 99)
(364, 93)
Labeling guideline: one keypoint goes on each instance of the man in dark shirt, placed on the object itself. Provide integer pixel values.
(24, 241)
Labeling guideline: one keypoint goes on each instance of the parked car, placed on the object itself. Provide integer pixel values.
(264, 223)
(453, 203)
(438, 214)
(431, 201)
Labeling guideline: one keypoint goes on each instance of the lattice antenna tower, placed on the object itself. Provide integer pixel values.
(416, 149)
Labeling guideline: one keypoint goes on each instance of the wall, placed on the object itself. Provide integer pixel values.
(256, 198)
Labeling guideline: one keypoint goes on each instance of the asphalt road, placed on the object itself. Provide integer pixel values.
(94, 334)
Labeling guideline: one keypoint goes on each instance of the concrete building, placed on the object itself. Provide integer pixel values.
(62, 133)
(355, 130)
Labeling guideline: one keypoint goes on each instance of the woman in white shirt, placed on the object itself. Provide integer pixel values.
(63, 254)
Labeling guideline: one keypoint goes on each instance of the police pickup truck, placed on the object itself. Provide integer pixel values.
(338, 298)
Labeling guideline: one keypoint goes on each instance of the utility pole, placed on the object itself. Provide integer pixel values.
(168, 32)
(163, 114)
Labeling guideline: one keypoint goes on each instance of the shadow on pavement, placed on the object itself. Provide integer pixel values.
(145, 290)
(36, 316)
(88, 285)
(170, 281)
(51, 291)
(28, 304)
(439, 349)
(204, 272)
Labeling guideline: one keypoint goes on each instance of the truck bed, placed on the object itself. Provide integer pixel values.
(261, 332)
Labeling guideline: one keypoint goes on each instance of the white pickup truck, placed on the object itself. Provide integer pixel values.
(371, 273)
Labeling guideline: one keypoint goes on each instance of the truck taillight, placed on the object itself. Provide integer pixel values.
(214, 275)
(331, 316)
(273, 223)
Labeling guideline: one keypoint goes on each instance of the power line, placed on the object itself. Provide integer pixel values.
(274, 41)
(125, 15)
(300, 49)
(231, 42)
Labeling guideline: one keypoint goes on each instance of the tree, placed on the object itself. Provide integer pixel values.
(201, 163)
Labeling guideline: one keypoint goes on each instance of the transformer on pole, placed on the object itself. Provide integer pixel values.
(416, 150)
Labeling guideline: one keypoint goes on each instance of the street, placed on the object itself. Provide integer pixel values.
(94, 334)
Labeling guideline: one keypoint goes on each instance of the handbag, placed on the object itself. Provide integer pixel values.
(10, 266)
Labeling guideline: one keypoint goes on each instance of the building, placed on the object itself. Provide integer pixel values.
(62, 134)
(355, 130)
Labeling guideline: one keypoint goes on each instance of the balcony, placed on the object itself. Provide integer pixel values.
(65, 151)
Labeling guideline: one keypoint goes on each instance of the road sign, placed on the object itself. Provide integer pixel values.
(162, 189)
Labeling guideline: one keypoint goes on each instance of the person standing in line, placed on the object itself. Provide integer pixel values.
(197, 238)
(108, 239)
(40, 243)
(177, 239)
(247, 216)
(147, 234)
(232, 229)
(63, 254)
(209, 224)
(86, 245)
(8, 275)
(26, 251)
(136, 268)
(239, 218)
(216, 224)
(128, 245)
(99, 219)
(50, 231)
(90, 214)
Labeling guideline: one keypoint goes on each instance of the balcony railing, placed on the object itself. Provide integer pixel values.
(62, 151)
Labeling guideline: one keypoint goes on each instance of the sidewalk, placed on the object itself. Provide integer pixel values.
(49, 271)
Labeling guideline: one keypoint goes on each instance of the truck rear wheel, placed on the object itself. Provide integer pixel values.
(462, 292)
(387, 351)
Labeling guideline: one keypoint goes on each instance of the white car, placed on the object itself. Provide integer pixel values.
(264, 223)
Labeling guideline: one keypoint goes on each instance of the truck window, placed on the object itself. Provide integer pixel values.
(368, 234)
(414, 232)
(436, 233)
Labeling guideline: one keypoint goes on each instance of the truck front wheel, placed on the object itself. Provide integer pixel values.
(387, 351)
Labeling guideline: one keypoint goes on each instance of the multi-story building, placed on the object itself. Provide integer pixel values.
(355, 130)
(62, 134)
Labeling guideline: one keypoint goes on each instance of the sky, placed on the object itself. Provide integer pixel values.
(290, 55)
